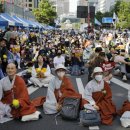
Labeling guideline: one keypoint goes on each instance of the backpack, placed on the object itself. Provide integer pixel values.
(89, 117)
(70, 108)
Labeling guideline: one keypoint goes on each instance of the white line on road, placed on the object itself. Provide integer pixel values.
(120, 83)
(80, 86)
(32, 89)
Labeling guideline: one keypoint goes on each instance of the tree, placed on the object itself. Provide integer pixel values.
(45, 13)
(116, 7)
(1, 8)
(99, 16)
(124, 14)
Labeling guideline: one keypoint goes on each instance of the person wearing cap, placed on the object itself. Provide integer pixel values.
(59, 88)
(99, 97)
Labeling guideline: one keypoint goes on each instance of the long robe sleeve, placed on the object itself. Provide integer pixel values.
(49, 105)
(88, 95)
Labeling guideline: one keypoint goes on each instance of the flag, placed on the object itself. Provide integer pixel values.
(115, 18)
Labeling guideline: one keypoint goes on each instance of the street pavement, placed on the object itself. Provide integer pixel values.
(47, 122)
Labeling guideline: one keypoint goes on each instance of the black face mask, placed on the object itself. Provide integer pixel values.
(58, 54)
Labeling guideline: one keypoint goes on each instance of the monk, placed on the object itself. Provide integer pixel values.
(98, 97)
(15, 95)
(59, 88)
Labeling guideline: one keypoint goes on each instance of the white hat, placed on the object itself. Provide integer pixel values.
(96, 70)
(60, 66)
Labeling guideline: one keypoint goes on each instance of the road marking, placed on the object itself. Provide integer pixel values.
(80, 86)
(94, 128)
(32, 89)
(120, 83)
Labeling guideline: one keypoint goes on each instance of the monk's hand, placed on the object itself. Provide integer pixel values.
(96, 107)
(58, 107)
(15, 103)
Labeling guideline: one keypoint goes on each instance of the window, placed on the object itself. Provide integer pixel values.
(30, 0)
(30, 5)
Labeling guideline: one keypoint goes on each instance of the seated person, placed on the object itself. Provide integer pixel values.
(76, 63)
(41, 73)
(14, 96)
(99, 97)
(59, 88)
(107, 67)
(59, 59)
(123, 64)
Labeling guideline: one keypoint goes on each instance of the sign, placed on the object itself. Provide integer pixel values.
(82, 11)
(107, 20)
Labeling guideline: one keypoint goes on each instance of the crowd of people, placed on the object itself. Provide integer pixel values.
(103, 54)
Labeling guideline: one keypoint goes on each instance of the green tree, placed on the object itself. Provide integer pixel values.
(116, 7)
(45, 13)
(1, 8)
(124, 15)
(99, 16)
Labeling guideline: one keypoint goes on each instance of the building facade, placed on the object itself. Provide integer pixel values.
(104, 5)
(62, 6)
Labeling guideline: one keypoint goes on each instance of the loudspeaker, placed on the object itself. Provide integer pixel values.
(82, 11)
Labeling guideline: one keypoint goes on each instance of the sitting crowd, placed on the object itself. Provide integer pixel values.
(48, 63)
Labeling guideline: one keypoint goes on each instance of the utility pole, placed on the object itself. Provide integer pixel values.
(88, 18)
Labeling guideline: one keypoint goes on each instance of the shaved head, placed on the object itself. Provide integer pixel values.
(11, 69)
(12, 65)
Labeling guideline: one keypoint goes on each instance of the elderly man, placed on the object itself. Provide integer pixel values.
(15, 95)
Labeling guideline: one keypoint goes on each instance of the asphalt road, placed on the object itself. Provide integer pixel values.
(48, 121)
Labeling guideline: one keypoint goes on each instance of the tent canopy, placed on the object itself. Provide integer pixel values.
(25, 22)
(3, 22)
(10, 20)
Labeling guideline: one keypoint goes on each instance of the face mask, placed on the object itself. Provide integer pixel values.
(99, 77)
(61, 74)
(58, 54)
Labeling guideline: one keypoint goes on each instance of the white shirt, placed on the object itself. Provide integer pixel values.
(58, 60)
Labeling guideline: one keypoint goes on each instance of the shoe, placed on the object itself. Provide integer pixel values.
(124, 78)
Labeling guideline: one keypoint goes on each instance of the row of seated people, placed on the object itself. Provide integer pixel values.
(15, 100)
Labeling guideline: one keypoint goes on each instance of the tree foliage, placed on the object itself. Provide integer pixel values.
(45, 13)
(124, 15)
(1, 8)
(100, 15)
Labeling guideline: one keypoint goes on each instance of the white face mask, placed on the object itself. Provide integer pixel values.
(99, 77)
(61, 74)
